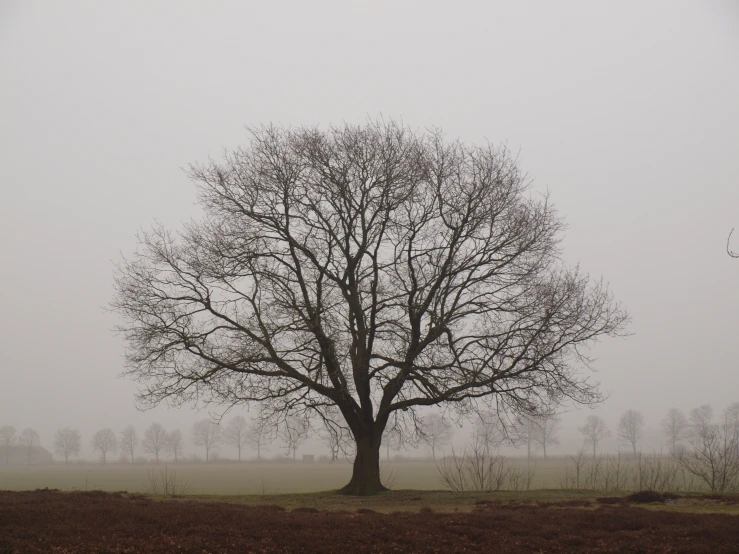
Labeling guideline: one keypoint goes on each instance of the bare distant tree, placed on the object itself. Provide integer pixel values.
(545, 431)
(67, 442)
(258, 436)
(631, 428)
(155, 440)
(207, 434)
(7, 439)
(675, 427)
(294, 433)
(701, 419)
(594, 431)
(713, 451)
(236, 433)
(175, 444)
(732, 418)
(129, 440)
(436, 432)
(105, 441)
(392, 437)
(362, 271)
(29, 439)
(489, 433)
(525, 432)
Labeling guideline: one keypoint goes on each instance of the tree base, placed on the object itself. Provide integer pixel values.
(362, 489)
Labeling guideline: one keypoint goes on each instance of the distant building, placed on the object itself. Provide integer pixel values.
(19, 456)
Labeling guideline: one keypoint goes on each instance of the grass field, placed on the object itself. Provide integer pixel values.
(238, 479)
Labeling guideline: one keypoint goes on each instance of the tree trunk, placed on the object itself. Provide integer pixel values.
(544, 446)
(365, 479)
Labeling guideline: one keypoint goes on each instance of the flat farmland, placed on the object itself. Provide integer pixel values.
(239, 478)
(81, 522)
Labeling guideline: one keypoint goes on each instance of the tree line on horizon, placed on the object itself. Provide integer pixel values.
(697, 427)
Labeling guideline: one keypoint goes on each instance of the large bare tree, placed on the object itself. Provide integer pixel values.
(360, 272)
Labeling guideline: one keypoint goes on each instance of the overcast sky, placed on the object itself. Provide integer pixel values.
(626, 112)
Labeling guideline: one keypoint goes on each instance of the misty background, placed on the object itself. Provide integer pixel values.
(627, 114)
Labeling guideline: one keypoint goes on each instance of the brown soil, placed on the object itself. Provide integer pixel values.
(50, 521)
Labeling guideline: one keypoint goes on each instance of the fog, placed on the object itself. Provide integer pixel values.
(625, 113)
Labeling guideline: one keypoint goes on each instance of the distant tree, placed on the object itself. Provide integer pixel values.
(545, 431)
(594, 431)
(7, 439)
(712, 454)
(436, 432)
(489, 432)
(732, 418)
(207, 434)
(129, 440)
(675, 427)
(525, 432)
(258, 437)
(30, 439)
(104, 441)
(175, 444)
(700, 419)
(631, 428)
(236, 433)
(155, 440)
(392, 438)
(294, 433)
(67, 442)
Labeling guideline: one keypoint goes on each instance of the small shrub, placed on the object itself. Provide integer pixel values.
(164, 482)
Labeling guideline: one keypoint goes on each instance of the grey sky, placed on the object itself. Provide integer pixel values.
(626, 112)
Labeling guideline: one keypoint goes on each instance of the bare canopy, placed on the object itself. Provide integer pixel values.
(360, 272)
